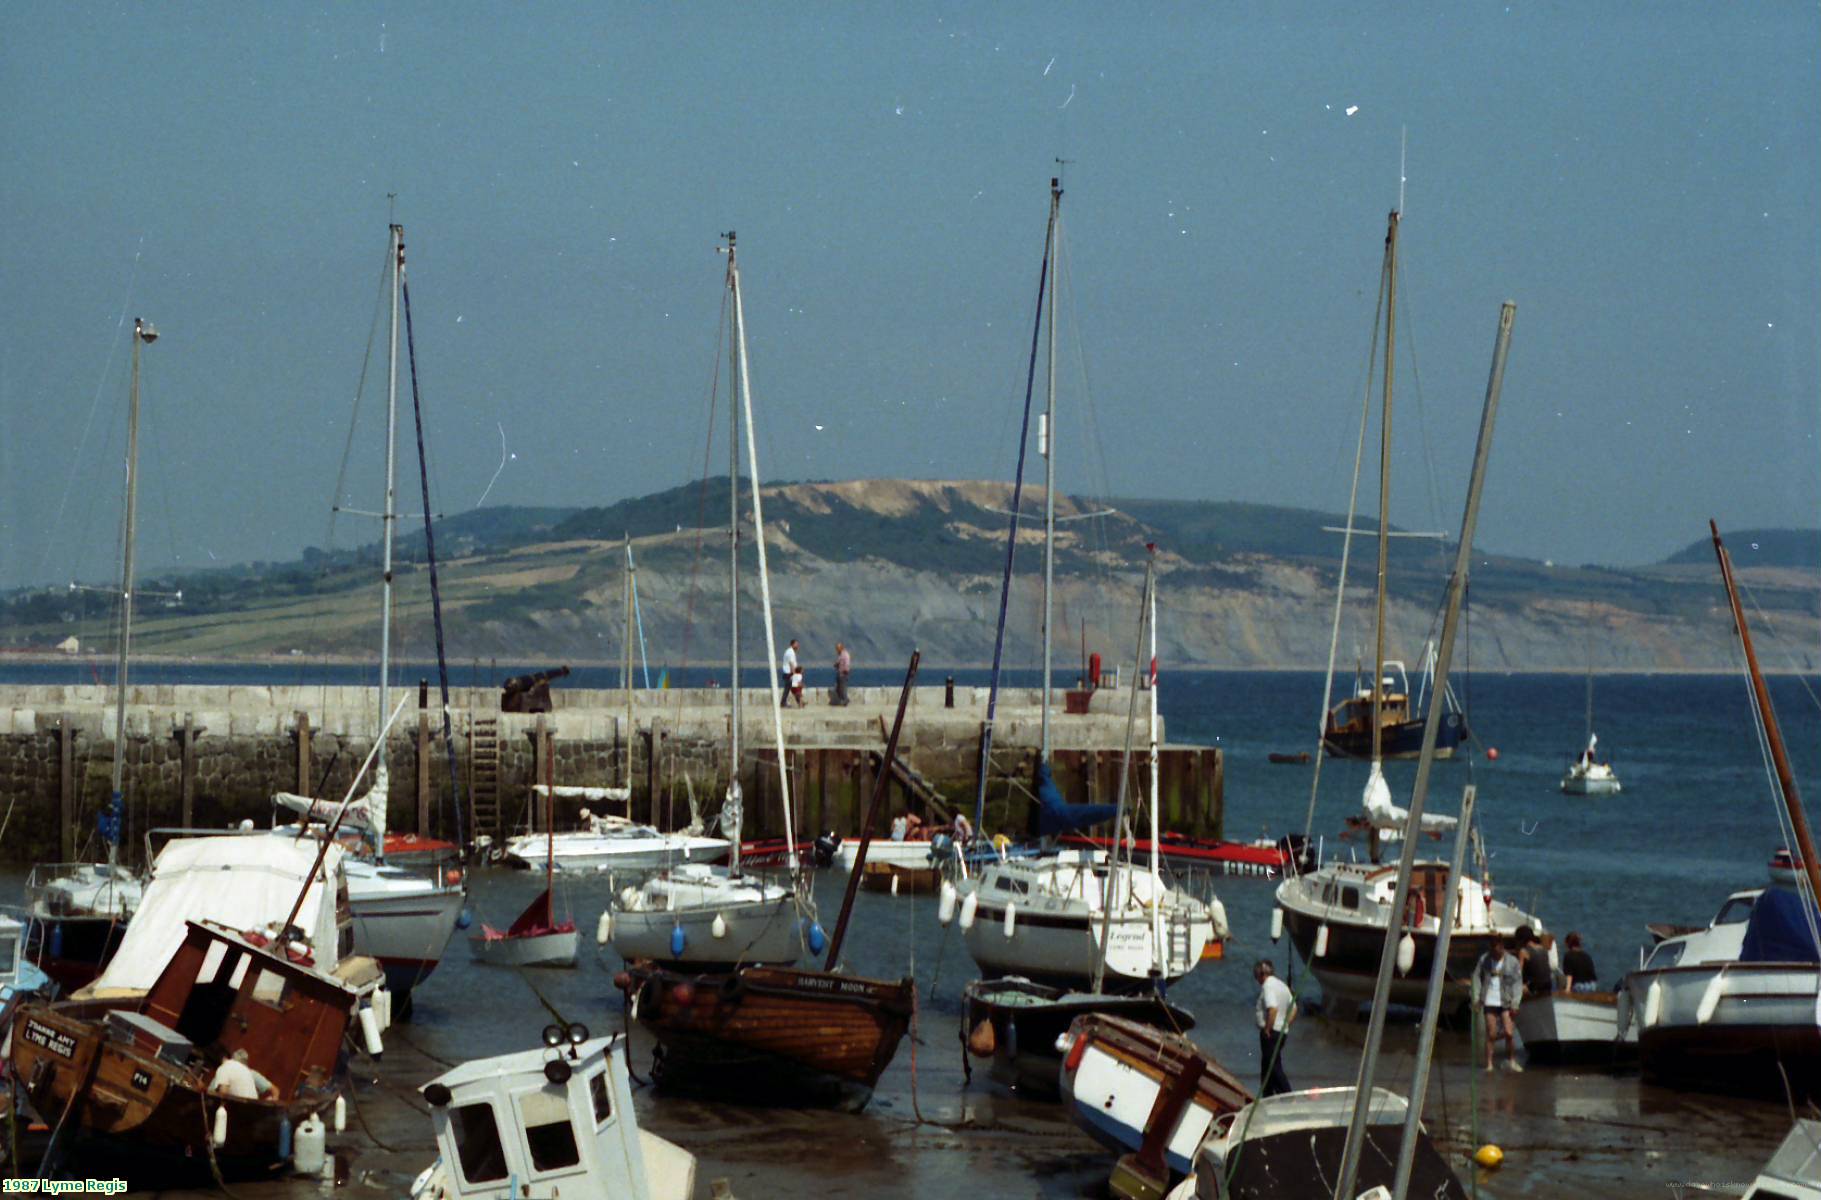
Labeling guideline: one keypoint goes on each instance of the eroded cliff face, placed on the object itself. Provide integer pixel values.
(888, 565)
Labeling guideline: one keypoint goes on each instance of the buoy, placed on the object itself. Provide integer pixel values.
(1406, 953)
(218, 1135)
(1710, 999)
(452, 876)
(894, 884)
(339, 1115)
(1321, 942)
(969, 904)
(284, 1138)
(818, 940)
(719, 928)
(1277, 923)
(1653, 1003)
(683, 994)
(1489, 1155)
(369, 1031)
(309, 1145)
(603, 929)
(945, 904)
(465, 920)
(622, 980)
(1492, 755)
(1011, 918)
(981, 1042)
(677, 941)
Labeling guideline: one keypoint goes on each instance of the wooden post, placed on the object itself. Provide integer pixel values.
(651, 772)
(423, 758)
(303, 754)
(186, 770)
(66, 784)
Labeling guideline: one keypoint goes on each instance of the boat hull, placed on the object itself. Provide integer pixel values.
(1400, 739)
(771, 1034)
(754, 933)
(1061, 947)
(1574, 1027)
(601, 854)
(406, 933)
(1023, 1022)
(1759, 1031)
(554, 949)
(1349, 969)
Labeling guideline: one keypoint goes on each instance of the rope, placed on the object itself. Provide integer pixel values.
(208, 1139)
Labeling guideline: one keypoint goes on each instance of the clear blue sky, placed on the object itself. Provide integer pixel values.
(1643, 179)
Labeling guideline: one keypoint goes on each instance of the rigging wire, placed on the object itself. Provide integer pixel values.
(695, 566)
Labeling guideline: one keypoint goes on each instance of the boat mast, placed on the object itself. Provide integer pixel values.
(1109, 894)
(1773, 735)
(1384, 491)
(627, 679)
(143, 334)
(1413, 822)
(758, 524)
(1046, 443)
(1156, 794)
(388, 518)
(733, 575)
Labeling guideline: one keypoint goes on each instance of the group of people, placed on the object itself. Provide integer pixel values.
(1501, 980)
(790, 670)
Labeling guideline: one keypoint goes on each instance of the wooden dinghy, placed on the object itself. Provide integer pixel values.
(810, 1036)
(1017, 1024)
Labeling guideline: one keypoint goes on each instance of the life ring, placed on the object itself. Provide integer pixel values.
(1416, 911)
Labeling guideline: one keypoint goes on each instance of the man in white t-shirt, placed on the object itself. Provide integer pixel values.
(235, 1078)
(791, 673)
(1276, 1009)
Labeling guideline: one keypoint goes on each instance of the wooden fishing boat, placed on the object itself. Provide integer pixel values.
(139, 1074)
(771, 1034)
(1136, 1089)
(1017, 1026)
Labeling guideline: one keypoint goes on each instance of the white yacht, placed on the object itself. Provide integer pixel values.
(1587, 776)
(614, 844)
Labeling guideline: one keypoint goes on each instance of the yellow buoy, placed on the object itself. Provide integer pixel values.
(1489, 1155)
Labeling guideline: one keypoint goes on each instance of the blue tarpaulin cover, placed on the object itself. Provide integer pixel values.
(1056, 816)
(1780, 930)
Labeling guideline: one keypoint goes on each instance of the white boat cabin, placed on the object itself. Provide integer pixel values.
(549, 1122)
(1721, 941)
(1365, 891)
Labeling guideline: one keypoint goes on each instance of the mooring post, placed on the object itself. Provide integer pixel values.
(186, 770)
(651, 771)
(423, 758)
(66, 787)
(302, 733)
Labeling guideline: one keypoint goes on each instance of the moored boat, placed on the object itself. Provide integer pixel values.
(609, 843)
(1017, 1026)
(1575, 1027)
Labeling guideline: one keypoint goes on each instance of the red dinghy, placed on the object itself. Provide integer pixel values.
(536, 939)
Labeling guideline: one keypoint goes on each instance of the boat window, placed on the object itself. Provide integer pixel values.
(1666, 955)
(603, 1106)
(477, 1143)
(1736, 911)
(548, 1133)
(1001, 884)
(9, 951)
(1349, 898)
(269, 988)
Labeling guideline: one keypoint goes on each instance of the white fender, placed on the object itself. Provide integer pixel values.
(603, 929)
(218, 1135)
(1011, 918)
(1277, 923)
(369, 1032)
(1653, 1003)
(339, 1118)
(1321, 941)
(1406, 953)
(628, 899)
(719, 928)
(969, 904)
(945, 904)
(894, 884)
(1710, 998)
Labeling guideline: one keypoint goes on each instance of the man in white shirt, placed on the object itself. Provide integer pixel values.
(235, 1078)
(790, 670)
(1276, 1009)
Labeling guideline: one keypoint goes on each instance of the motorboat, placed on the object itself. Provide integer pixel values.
(610, 843)
(547, 1122)
(1348, 732)
(1575, 1027)
(1337, 915)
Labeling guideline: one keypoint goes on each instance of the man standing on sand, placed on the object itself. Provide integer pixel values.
(1275, 1010)
(1498, 985)
(789, 670)
(844, 664)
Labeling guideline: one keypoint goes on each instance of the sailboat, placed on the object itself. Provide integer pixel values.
(1380, 720)
(1587, 776)
(401, 918)
(1732, 1007)
(79, 911)
(1074, 902)
(536, 938)
(1018, 1024)
(696, 914)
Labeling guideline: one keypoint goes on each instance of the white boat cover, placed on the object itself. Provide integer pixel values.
(245, 883)
(571, 792)
(1390, 818)
(367, 814)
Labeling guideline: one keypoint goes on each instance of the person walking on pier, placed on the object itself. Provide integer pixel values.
(844, 665)
(1276, 1008)
(792, 673)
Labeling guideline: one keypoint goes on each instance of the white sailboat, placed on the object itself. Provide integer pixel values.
(1587, 776)
(706, 916)
(1047, 918)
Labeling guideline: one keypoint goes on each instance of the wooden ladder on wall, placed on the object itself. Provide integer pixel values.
(484, 772)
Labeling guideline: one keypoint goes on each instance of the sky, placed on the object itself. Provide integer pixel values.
(1644, 180)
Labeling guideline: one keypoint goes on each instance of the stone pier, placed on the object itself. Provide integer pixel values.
(210, 756)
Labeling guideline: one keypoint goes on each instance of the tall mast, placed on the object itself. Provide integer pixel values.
(1046, 442)
(1157, 941)
(142, 334)
(733, 568)
(1384, 489)
(758, 524)
(1773, 735)
(388, 516)
(627, 678)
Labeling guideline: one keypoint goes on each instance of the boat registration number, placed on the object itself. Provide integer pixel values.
(142, 1080)
(55, 1040)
